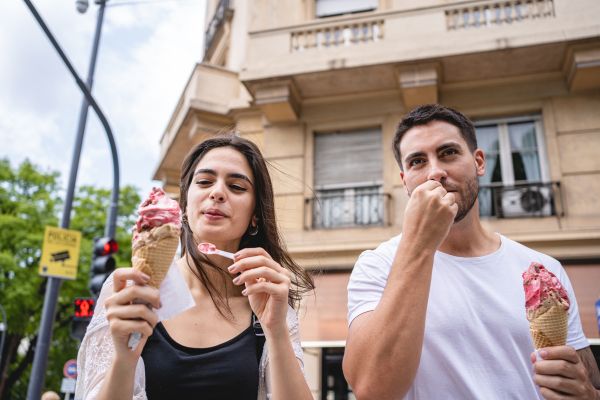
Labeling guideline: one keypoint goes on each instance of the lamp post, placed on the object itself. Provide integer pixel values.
(53, 285)
(82, 6)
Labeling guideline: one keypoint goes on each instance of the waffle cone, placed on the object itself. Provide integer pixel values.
(550, 327)
(154, 254)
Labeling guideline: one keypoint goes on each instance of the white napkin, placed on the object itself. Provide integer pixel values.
(175, 297)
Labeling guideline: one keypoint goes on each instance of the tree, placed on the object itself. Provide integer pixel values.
(29, 201)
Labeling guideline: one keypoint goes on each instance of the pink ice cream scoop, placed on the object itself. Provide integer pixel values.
(209, 248)
(158, 209)
(541, 285)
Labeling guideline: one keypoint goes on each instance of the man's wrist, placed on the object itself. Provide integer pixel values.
(414, 249)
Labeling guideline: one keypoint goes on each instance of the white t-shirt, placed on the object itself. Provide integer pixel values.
(477, 343)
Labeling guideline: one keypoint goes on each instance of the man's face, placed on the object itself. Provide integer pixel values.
(437, 151)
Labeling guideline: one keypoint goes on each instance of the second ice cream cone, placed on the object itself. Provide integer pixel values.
(550, 328)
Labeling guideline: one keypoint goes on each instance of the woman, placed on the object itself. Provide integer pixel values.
(211, 351)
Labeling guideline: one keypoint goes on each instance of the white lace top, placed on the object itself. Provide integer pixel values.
(96, 354)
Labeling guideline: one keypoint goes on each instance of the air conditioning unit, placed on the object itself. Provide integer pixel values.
(531, 201)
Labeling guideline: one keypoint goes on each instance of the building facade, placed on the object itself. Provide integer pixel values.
(320, 86)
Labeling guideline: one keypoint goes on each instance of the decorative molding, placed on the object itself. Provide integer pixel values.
(582, 67)
(279, 100)
(419, 84)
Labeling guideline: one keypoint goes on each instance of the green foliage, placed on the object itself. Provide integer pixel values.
(29, 200)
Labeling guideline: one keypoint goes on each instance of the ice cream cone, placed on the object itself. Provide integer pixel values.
(549, 328)
(154, 252)
(547, 305)
(155, 241)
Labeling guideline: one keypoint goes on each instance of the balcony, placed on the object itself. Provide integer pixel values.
(498, 13)
(369, 52)
(214, 31)
(203, 109)
(525, 200)
(349, 34)
(348, 207)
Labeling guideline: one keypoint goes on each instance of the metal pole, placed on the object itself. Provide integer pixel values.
(4, 329)
(66, 217)
(36, 381)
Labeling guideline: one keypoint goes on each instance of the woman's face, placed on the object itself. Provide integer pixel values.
(221, 200)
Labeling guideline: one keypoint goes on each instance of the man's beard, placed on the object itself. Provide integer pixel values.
(468, 195)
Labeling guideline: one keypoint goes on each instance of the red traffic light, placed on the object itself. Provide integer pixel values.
(84, 307)
(111, 247)
(105, 246)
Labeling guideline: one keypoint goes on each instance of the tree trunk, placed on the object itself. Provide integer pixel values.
(8, 357)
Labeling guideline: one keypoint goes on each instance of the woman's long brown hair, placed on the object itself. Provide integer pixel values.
(268, 236)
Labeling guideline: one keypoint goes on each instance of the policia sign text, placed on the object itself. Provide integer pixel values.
(60, 253)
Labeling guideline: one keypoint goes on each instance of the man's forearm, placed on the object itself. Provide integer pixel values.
(384, 349)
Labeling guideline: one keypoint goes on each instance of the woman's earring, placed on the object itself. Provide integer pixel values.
(253, 231)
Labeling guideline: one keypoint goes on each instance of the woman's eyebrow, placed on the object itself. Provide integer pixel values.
(240, 176)
(205, 171)
(234, 175)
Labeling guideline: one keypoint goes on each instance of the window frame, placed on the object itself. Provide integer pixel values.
(348, 187)
(505, 151)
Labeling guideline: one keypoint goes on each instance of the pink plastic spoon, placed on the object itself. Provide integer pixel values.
(209, 248)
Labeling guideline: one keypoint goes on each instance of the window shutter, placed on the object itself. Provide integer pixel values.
(344, 159)
(336, 7)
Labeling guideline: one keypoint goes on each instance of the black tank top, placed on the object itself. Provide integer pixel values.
(226, 371)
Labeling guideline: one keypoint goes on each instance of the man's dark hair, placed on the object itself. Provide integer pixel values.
(427, 113)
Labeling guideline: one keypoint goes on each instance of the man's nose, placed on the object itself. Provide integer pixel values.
(436, 173)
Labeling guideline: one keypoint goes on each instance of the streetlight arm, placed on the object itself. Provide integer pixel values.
(112, 214)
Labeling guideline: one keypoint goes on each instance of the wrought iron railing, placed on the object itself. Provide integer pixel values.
(494, 13)
(215, 23)
(531, 199)
(340, 208)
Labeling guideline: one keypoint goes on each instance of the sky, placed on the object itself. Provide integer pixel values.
(148, 50)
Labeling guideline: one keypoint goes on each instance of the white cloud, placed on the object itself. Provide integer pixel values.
(147, 53)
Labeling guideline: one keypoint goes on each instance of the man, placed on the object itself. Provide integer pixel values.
(439, 311)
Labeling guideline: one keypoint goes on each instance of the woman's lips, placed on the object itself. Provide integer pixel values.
(214, 214)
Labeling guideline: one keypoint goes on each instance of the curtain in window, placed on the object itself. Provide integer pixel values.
(524, 149)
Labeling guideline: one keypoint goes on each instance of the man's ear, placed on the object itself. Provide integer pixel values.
(404, 182)
(479, 156)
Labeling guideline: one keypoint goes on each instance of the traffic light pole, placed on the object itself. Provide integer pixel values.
(37, 378)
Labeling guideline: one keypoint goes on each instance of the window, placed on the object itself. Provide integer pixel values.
(329, 8)
(348, 179)
(515, 183)
(333, 382)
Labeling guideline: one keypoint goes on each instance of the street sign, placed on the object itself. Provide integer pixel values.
(68, 385)
(60, 253)
(70, 369)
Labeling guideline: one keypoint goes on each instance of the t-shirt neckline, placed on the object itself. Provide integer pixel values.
(486, 258)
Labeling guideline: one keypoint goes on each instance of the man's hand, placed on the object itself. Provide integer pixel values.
(429, 214)
(561, 374)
